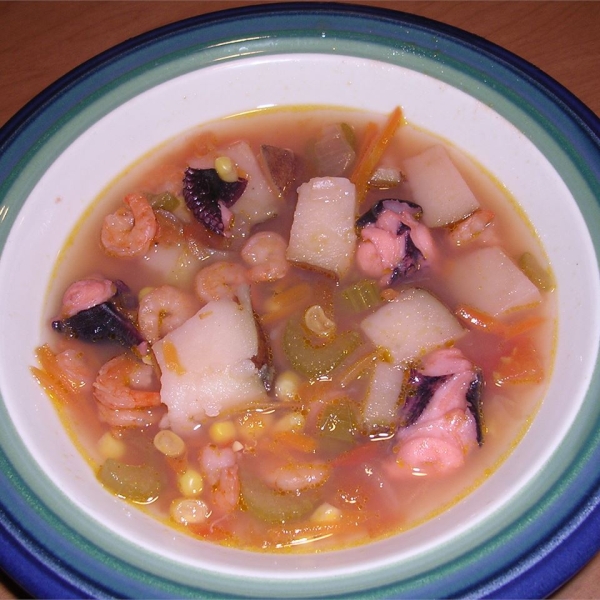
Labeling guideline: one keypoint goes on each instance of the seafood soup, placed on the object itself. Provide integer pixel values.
(299, 330)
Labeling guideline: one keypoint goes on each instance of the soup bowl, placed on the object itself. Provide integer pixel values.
(513, 533)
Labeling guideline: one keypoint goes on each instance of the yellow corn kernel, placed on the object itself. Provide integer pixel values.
(190, 483)
(226, 169)
(169, 443)
(326, 513)
(188, 511)
(222, 433)
(318, 322)
(293, 421)
(110, 447)
(287, 385)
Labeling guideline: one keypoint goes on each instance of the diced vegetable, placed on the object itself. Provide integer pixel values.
(438, 187)
(386, 177)
(258, 202)
(411, 325)
(280, 164)
(541, 277)
(139, 483)
(163, 201)
(274, 506)
(380, 407)
(313, 361)
(323, 233)
(338, 421)
(362, 295)
(334, 153)
(197, 383)
(487, 280)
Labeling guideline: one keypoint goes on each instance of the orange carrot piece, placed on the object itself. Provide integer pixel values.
(482, 321)
(296, 441)
(371, 156)
(521, 364)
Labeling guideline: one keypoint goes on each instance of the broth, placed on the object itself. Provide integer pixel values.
(303, 453)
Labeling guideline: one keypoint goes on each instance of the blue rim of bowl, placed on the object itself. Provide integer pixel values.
(547, 545)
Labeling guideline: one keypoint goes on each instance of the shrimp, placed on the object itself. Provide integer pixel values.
(130, 230)
(294, 477)
(86, 293)
(164, 309)
(265, 252)
(74, 371)
(126, 387)
(220, 280)
(220, 468)
(468, 229)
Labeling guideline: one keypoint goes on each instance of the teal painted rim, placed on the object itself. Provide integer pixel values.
(530, 557)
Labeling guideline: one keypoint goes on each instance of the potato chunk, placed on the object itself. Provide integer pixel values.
(438, 187)
(206, 364)
(488, 280)
(258, 202)
(411, 325)
(323, 233)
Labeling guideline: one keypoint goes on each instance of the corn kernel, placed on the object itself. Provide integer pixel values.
(110, 447)
(222, 432)
(188, 511)
(169, 443)
(226, 169)
(287, 385)
(326, 513)
(293, 421)
(190, 483)
(318, 322)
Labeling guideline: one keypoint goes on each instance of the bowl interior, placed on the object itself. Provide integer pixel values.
(547, 185)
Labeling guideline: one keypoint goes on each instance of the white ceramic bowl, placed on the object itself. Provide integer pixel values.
(488, 103)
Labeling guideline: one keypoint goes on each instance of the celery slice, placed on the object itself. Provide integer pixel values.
(139, 483)
(539, 276)
(316, 361)
(163, 201)
(362, 295)
(273, 506)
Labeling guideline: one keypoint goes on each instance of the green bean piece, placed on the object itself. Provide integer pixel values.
(316, 361)
(139, 483)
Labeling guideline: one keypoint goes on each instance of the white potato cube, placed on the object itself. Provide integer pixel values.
(488, 280)
(258, 202)
(323, 232)
(438, 187)
(206, 364)
(411, 325)
(381, 404)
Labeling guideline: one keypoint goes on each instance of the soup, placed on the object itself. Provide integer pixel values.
(299, 330)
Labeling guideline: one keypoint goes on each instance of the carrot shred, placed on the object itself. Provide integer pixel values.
(295, 441)
(482, 321)
(370, 156)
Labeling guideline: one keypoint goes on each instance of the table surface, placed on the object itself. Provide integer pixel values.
(41, 41)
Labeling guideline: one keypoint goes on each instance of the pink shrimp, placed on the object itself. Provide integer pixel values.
(164, 309)
(220, 280)
(220, 468)
(127, 387)
(468, 229)
(86, 293)
(130, 230)
(264, 252)
(74, 370)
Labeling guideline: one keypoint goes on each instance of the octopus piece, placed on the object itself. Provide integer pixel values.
(393, 244)
(209, 197)
(442, 414)
(90, 312)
